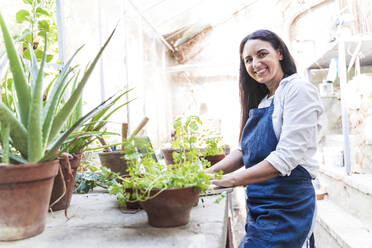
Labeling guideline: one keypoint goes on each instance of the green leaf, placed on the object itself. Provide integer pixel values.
(18, 132)
(26, 54)
(5, 131)
(43, 25)
(15, 159)
(41, 11)
(51, 154)
(34, 69)
(52, 101)
(22, 15)
(49, 58)
(35, 144)
(65, 112)
(26, 36)
(39, 54)
(20, 83)
(28, 2)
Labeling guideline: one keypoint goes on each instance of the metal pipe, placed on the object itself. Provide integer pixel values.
(101, 73)
(345, 118)
(61, 43)
(125, 31)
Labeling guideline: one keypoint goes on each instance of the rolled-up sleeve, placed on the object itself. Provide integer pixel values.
(301, 109)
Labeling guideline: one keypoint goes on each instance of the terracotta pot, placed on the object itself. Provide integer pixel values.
(132, 205)
(114, 161)
(213, 159)
(69, 178)
(171, 207)
(25, 191)
(168, 155)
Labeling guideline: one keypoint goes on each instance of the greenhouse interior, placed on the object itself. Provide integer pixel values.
(199, 123)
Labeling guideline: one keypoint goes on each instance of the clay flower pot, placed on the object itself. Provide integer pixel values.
(131, 205)
(25, 191)
(69, 175)
(213, 159)
(115, 161)
(168, 155)
(171, 207)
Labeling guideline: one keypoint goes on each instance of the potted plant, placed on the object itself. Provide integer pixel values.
(114, 160)
(213, 151)
(166, 192)
(185, 140)
(74, 146)
(30, 138)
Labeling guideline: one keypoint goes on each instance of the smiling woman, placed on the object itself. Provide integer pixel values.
(279, 122)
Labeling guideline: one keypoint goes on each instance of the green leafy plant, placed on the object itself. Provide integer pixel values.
(213, 146)
(32, 133)
(186, 132)
(89, 177)
(145, 174)
(186, 138)
(38, 17)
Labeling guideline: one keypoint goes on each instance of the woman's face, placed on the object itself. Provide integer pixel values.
(262, 62)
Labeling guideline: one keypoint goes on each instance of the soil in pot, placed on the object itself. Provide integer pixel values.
(69, 175)
(27, 189)
(171, 207)
(115, 161)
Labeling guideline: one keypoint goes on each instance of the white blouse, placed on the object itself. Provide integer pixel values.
(296, 122)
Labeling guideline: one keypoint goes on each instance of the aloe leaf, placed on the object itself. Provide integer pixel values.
(100, 118)
(5, 131)
(18, 132)
(52, 101)
(33, 70)
(64, 113)
(51, 154)
(3, 64)
(116, 109)
(14, 159)
(35, 138)
(77, 113)
(99, 115)
(20, 83)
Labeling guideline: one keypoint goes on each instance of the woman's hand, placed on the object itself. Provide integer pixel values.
(226, 181)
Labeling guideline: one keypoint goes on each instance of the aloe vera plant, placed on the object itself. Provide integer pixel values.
(79, 140)
(34, 128)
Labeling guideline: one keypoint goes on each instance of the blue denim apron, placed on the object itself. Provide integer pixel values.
(280, 210)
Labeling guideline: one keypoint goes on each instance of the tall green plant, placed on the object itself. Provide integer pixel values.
(79, 140)
(37, 18)
(34, 127)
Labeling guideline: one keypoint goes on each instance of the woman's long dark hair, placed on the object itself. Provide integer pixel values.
(252, 92)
